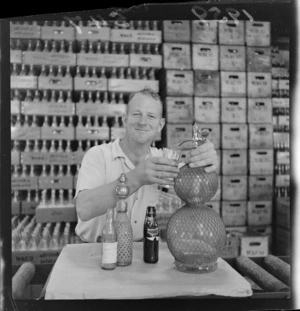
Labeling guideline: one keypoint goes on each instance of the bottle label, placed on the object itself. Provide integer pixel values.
(109, 253)
(151, 232)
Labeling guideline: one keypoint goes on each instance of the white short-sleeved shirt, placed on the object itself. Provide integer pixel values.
(101, 165)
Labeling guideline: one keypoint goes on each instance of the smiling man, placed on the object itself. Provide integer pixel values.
(144, 166)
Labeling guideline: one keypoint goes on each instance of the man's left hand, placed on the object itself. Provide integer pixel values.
(204, 155)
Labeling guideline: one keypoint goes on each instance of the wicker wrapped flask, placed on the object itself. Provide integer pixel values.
(196, 233)
(123, 225)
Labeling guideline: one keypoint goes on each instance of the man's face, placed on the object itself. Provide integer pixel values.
(143, 120)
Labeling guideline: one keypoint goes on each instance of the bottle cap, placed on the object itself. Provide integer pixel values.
(151, 211)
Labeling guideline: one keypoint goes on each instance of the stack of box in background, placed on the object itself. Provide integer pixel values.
(231, 67)
(259, 117)
(205, 61)
(176, 87)
(234, 129)
(177, 84)
(281, 123)
(70, 86)
(69, 89)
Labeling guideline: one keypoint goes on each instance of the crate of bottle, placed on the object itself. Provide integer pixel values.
(259, 59)
(90, 84)
(261, 161)
(258, 33)
(176, 31)
(102, 60)
(176, 133)
(138, 36)
(46, 214)
(233, 110)
(259, 84)
(259, 110)
(179, 109)
(92, 133)
(207, 83)
(254, 246)
(131, 85)
(56, 182)
(234, 162)
(205, 56)
(207, 109)
(23, 82)
(34, 157)
(25, 132)
(57, 33)
(234, 213)
(260, 187)
(234, 188)
(25, 31)
(92, 109)
(49, 58)
(261, 136)
(204, 32)
(145, 60)
(259, 213)
(233, 84)
(58, 133)
(93, 33)
(178, 82)
(176, 56)
(232, 58)
(48, 108)
(55, 83)
(24, 182)
(234, 136)
(231, 33)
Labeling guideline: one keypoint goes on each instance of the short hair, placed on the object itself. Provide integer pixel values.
(150, 93)
(147, 92)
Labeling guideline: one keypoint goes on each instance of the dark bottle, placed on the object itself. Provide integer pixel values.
(151, 236)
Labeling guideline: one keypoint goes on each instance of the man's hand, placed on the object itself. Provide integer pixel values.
(204, 155)
(156, 170)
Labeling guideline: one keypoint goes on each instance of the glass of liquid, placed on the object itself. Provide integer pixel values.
(173, 154)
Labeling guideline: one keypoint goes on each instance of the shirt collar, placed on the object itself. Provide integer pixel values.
(117, 151)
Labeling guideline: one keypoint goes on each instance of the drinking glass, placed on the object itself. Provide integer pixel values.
(173, 154)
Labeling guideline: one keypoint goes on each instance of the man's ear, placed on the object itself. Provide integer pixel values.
(162, 123)
(124, 119)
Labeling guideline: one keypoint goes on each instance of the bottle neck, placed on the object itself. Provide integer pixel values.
(122, 206)
(110, 215)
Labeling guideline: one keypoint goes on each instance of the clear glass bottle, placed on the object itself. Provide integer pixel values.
(109, 242)
(123, 225)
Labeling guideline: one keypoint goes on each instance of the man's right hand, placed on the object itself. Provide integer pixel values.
(156, 170)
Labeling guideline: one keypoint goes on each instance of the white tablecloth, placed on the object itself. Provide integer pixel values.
(77, 274)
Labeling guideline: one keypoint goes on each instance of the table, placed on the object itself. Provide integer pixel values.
(77, 274)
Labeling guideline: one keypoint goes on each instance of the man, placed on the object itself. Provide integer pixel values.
(144, 166)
